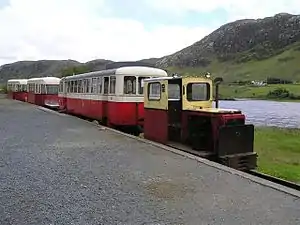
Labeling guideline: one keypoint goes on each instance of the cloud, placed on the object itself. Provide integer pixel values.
(81, 30)
(88, 29)
(236, 9)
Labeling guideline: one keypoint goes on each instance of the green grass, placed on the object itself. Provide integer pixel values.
(284, 65)
(247, 91)
(278, 152)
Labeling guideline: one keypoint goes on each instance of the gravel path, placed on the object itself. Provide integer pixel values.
(61, 170)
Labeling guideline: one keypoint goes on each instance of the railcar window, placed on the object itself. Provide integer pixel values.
(94, 85)
(60, 87)
(141, 84)
(52, 89)
(99, 82)
(43, 89)
(83, 85)
(75, 86)
(129, 85)
(154, 90)
(79, 86)
(87, 87)
(106, 83)
(174, 92)
(198, 92)
(72, 87)
(91, 86)
(112, 85)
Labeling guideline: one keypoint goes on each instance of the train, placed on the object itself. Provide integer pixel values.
(43, 91)
(114, 96)
(169, 109)
(17, 89)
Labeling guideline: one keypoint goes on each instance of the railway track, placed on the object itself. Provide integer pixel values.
(276, 180)
(273, 179)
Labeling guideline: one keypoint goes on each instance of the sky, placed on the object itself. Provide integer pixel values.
(84, 30)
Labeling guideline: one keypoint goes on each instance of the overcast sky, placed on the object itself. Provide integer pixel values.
(84, 30)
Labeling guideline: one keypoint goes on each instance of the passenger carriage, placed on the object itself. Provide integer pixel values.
(43, 91)
(179, 112)
(113, 96)
(17, 89)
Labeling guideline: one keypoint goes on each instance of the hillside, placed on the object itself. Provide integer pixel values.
(29, 69)
(242, 50)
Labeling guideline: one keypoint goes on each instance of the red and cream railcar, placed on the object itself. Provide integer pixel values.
(114, 96)
(43, 91)
(17, 89)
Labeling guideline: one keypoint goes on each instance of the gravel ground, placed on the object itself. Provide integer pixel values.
(61, 170)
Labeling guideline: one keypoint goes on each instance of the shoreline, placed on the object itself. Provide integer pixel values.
(261, 99)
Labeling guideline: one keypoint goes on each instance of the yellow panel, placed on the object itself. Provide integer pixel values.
(157, 104)
(193, 105)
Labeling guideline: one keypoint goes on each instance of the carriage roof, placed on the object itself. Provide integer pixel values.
(17, 81)
(127, 70)
(44, 80)
(192, 78)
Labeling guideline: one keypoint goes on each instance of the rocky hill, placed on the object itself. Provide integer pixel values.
(40, 68)
(244, 49)
(29, 69)
(242, 41)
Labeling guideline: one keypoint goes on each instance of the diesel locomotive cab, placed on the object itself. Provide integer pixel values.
(179, 110)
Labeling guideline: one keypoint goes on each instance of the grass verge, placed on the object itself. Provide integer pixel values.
(278, 152)
(247, 91)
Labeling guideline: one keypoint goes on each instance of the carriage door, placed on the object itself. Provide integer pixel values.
(174, 109)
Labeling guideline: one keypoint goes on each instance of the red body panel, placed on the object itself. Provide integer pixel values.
(41, 99)
(124, 113)
(21, 96)
(89, 108)
(50, 100)
(62, 101)
(31, 98)
(116, 113)
(156, 125)
(158, 131)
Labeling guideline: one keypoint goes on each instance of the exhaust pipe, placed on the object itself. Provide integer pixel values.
(217, 82)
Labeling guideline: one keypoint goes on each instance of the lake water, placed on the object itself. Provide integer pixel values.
(267, 113)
